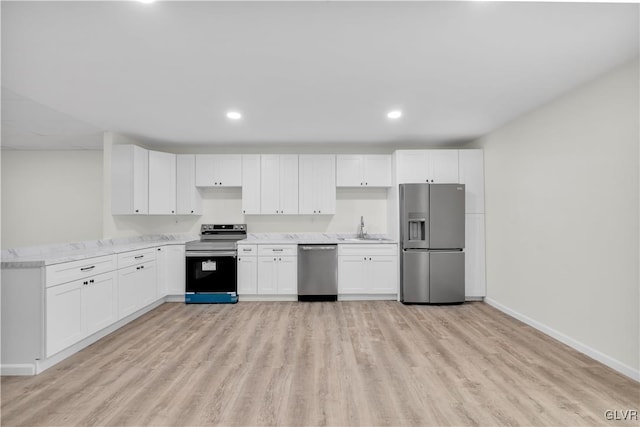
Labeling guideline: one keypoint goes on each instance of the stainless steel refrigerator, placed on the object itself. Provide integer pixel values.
(432, 239)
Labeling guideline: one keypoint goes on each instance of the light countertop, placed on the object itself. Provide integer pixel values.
(40, 256)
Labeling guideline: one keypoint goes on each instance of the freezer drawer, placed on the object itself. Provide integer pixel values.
(446, 280)
(435, 277)
(415, 276)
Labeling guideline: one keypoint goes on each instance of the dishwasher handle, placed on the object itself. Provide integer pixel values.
(319, 248)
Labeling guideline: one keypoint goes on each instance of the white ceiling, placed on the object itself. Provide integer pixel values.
(301, 72)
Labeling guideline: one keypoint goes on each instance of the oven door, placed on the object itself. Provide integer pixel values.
(211, 271)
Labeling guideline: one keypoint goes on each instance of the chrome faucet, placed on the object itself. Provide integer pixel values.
(361, 232)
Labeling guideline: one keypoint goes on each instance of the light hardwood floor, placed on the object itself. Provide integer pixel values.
(307, 364)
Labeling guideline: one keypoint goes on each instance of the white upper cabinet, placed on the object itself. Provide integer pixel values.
(432, 166)
(317, 184)
(279, 184)
(129, 180)
(188, 197)
(218, 170)
(162, 183)
(369, 170)
(250, 184)
(471, 174)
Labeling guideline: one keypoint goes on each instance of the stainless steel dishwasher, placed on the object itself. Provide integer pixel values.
(317, 272)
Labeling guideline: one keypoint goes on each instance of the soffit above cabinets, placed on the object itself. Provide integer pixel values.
(299, 72)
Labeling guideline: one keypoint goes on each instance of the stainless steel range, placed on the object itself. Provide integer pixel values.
(211, 264)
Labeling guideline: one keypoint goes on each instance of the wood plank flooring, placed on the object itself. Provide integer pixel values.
(308, 364)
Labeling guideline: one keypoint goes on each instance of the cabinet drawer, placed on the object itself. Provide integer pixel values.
(244, 250)
(283, 250)
(127, 259)
(368, 249)
(76, 270)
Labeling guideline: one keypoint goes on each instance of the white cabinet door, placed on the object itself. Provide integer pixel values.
(349, 170)
(162, 266)
(317, 187)
(279, 184)
(218, 170)
(471, 174)
(251, 184)
(99, 302)
(351, 274)
(129, 290)
(247, 275)
(412, 166)
(288, 182)
(129, 180)
(205, 165)
(175, 269)
(377, 170)
(63, 316)
(267, 275)
(381, 274)
(474, 257)
(325, 167)
(443, 166)
(287, 275)
(188, 197)
(162, 183)
(368, 170)
(270, 184)
(228, 170)
(148, 283)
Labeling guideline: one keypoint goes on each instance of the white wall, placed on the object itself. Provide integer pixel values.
(224, 205)
(51, 197)
(562, 218)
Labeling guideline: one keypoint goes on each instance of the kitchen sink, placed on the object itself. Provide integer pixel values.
(364, 239)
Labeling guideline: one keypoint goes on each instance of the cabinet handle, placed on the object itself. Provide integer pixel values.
(84, 283)
(369, 259)
(91, 281)
(275, 259)
(137, 210)
(88, 268)
(365, 258)
(139, 256)
(172, 212)
(361, 183)
(191, 211)
(142, 266)
(277, 250)
(243, 211)
(279, 259)
(319, 211)
(366, 183)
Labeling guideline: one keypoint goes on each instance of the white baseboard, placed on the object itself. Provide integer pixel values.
(615, 364)
(23, 369)
(368, 297)
(253, 298)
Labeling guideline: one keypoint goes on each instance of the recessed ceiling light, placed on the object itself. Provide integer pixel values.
(395, 114)
(147, 1)
(234, 115)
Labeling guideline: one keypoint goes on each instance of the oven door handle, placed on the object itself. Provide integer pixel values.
(203, 254)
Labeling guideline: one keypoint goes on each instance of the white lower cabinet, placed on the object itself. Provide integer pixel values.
(78, 309)
(99, 302)
(170, 264)
(136, 287)
(278, 270)
(64, 316)
(247, 270)
(367, 269)
(278, 275)
(474, 259)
